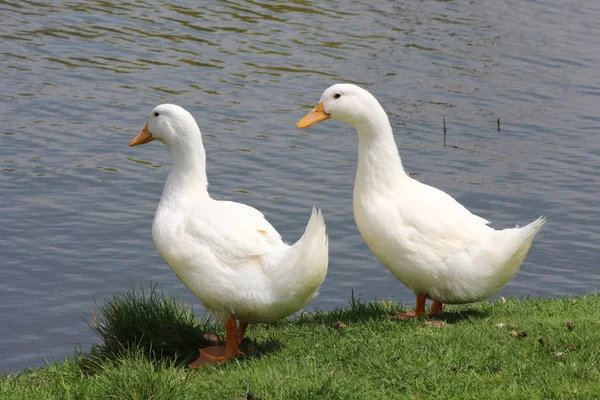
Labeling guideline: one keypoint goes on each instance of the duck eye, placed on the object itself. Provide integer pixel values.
(156, 114)
(337, 95)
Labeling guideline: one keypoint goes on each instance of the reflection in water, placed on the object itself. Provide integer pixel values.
(80, 78)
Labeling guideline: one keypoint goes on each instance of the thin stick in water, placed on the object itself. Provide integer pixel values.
(444, 132)
(498, 124)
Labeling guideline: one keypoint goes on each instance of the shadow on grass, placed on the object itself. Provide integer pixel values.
(359, 311)
(160, 328)
(466, 314)
(260, 349)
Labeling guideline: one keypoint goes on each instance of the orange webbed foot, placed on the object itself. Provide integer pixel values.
(410, 314)
(417, 312)
(217, 355)
(213, 355)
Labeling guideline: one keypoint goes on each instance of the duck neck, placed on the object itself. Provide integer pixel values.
(187, 182)
(379, 164)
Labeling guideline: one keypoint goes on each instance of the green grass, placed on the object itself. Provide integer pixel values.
(148, 339)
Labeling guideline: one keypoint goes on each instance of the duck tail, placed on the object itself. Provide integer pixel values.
(529, 231)
(525, 237)
(308, 259)
(517, 241)
(313, 247)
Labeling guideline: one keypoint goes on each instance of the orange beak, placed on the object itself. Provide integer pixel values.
(316, 115)
(142, 138)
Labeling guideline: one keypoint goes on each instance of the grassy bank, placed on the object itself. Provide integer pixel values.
(520, 349)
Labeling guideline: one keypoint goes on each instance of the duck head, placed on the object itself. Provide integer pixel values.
(168, 123)
(343, 102)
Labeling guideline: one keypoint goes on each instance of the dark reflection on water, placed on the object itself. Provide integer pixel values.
(79, 78)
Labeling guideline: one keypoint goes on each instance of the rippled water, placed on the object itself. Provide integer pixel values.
(79, 79)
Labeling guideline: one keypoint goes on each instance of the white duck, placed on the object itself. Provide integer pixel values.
(429, 241)
(227, 254)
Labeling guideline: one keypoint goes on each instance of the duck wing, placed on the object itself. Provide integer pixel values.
(235, 233)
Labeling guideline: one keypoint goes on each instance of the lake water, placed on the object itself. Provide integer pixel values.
(79, 78)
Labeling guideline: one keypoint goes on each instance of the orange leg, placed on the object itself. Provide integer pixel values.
(417, 312)
(436, 308)
(216, 355)
(241, 331)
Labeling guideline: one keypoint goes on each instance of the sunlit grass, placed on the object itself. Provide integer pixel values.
(520, 349)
